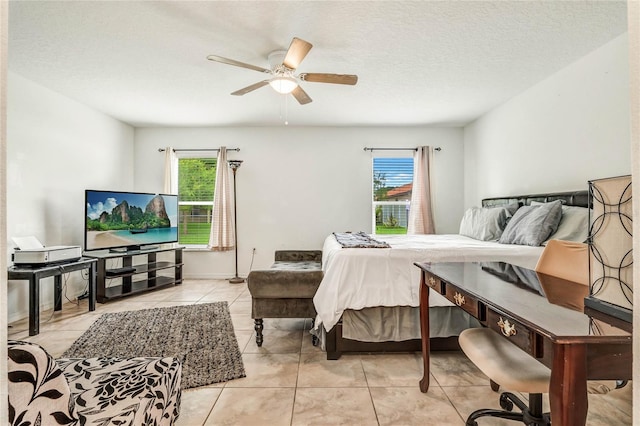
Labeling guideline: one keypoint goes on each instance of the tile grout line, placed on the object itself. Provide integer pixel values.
(213, 406)
(452, 404)
(366, 379)
(295, 389)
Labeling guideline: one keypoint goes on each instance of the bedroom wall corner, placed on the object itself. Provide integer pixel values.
(556, 135)
(57, 148)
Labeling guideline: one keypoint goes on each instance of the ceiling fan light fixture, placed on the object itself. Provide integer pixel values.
(283, 84)
(281, 73)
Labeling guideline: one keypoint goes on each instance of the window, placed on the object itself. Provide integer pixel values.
(196, 183)
(392, 184)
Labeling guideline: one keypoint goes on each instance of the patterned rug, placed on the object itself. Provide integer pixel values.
(201, 336)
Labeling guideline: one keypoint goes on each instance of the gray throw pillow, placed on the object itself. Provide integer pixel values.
(484, 224)
(574, 224)
(511, 209)
(531, 225)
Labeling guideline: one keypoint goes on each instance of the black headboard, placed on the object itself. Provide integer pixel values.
(573, 198)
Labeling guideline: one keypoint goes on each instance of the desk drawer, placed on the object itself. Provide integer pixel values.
(433, 282)
(511, 329)
(463, 300)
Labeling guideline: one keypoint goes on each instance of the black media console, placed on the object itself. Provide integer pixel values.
(139, 271)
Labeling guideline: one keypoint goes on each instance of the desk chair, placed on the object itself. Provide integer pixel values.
(507, 365)
(563, 272)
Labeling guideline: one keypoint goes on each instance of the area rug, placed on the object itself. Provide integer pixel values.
(201, 336)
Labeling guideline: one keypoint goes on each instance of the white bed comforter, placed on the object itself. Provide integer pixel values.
(357, 278)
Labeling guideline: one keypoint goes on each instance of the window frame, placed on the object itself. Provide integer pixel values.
(374, 203)
(194, 155)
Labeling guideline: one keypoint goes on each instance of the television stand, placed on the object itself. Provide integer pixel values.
(123, 249)
(140, 271)
(131, 249)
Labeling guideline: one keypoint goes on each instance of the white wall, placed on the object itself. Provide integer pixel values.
(634, 66)
(4, 312)
(297, 185)
(557, 135)
(57, 148)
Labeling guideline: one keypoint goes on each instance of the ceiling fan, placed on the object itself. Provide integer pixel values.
(282, 75)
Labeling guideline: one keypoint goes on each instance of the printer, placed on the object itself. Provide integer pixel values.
(31, 252)
(47, 255)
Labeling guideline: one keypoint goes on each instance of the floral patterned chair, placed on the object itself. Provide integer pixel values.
(91, 391)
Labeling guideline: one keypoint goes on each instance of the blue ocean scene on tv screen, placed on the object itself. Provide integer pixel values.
(152, 236)
(120, 219)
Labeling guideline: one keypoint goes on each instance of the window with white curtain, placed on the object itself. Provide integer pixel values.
(196, 183)
(392, 181)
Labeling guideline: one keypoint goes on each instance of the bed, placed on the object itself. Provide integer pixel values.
(368, 299)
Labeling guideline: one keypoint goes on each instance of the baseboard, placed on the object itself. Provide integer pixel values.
(24, 313)
(216, 276)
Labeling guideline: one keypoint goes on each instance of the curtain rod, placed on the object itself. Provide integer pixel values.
(196, 149)
(398, 149)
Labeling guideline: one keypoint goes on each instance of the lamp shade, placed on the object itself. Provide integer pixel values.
(610, 247)
(282, 84)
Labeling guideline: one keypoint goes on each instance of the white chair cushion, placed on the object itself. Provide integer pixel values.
(503, 362)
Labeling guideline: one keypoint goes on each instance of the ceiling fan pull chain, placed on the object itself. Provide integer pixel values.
(286, 110)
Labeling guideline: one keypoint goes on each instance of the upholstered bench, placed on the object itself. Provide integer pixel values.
(287, 289)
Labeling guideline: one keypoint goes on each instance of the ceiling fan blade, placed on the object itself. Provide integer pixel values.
(251, 88)
(301, 96)
(330, 78)
(236, 63)
(298, 49)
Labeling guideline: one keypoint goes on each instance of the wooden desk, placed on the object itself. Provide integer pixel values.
(36, 273)
(574, 346)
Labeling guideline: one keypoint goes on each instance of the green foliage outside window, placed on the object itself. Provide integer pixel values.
(196, 183)
(379, 186)
(196, 179)
(382, 229)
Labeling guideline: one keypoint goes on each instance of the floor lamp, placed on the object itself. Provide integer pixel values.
(234, 164)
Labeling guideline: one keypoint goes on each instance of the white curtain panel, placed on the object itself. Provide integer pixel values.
(420, 212)
(170, 171)
(222, 238)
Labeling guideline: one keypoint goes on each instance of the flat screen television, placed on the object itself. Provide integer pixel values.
(129, 220)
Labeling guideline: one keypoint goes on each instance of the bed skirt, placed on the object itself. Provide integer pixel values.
(393, 329)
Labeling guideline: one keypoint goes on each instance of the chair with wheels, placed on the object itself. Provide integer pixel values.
(563, 272)
(510, 367)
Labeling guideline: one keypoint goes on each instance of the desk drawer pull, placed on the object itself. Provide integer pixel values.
(458, 298)
(507, 328)
(432, 282)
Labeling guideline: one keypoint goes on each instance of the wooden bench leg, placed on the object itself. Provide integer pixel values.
(258, 327)
(314, 338)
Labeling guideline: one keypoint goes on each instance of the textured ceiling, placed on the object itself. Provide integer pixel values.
(418, 63)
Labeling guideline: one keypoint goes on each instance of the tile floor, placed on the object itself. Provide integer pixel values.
(290, 382)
